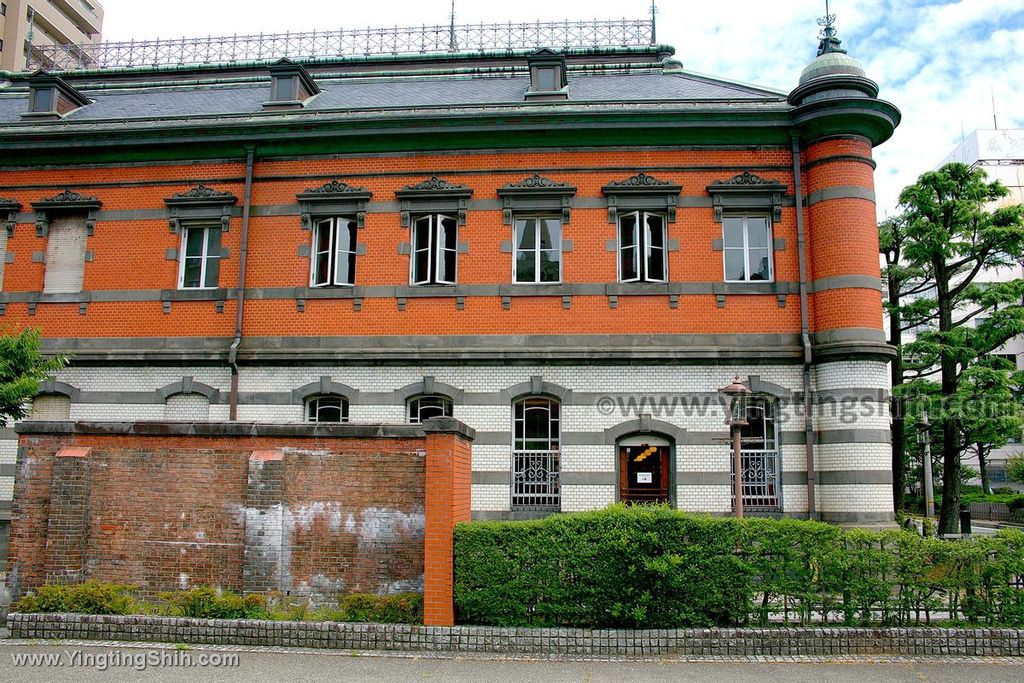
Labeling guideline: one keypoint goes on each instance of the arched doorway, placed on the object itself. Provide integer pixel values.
(645, 469)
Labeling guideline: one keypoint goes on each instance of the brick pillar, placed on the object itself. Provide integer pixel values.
(67, 529)
(446, 503)
(264, 514)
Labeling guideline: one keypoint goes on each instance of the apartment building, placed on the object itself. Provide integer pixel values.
(27, 24)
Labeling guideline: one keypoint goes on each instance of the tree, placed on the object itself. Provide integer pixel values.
(990, 393)
(22, 368)
(952, 237)
(902, 282)
(1015, 467)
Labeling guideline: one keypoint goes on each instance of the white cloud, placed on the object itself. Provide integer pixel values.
(934, 60)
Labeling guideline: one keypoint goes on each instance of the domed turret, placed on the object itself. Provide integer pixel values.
(828, 88)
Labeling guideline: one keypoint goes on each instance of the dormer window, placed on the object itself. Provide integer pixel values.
(51, 98)
(547, 76)
(290, 86)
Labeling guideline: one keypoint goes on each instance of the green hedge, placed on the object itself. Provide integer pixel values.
(205, 602)
(653, 567)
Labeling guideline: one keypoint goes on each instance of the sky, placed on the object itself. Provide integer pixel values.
(942, 62)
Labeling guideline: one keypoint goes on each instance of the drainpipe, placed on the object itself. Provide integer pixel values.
(805, 329)
(250, 154)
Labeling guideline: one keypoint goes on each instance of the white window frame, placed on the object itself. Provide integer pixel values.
(205, 257)
(536, 250)
(309, 402)
(434, 249)
(446, 408)
(536, 494)
(333, 224)
(642, 245)
(747, 270)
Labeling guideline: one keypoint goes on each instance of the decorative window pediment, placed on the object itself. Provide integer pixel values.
(8, 210)
(747, 192)
(536, 194)
(200, 203)
(334, 198)
(641, 192)
(434, 195)
(64, 203)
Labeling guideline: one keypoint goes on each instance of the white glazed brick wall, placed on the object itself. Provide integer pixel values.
(620, 381)
(6, 488)
(849, 415)
(187, 407)
(703, 458)
(51, 408)
(854, 497)
(142, 378)
(704, 498)
(588, 458)
(794, 499)
(8, 451)
(579, 498)
(117, 411)
(853, 456)
(489, 497)
(846, 374)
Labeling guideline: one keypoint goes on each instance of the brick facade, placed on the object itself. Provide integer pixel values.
(145, 348)
(254, 508)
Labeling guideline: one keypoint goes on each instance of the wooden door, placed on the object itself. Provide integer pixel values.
(643, 474)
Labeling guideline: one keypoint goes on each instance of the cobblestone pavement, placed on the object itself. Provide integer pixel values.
(87, 661)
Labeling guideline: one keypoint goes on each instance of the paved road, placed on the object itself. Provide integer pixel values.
(277, 666)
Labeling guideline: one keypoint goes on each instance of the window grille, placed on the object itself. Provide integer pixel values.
(536, 454)
(759, 457)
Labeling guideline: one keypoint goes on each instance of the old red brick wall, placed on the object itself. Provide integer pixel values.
(316, 517)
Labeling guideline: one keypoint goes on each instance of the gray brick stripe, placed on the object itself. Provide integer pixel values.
(691, 478)
(840, 192)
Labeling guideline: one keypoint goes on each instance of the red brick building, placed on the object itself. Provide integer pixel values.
(569, 250)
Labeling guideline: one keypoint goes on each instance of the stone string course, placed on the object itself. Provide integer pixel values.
(751, 642)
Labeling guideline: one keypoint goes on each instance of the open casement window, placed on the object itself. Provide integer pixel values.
(327, 408)
(427, 406)
(200, 257)
(536, 454)
(760, 457)
(334, 252)
(537, 250)
(434, 250)
(642, 247)
(747, 247)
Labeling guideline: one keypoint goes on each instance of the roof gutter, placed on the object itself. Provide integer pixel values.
(250, 156)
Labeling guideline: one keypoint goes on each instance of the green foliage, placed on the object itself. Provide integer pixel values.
(209, 603)
(90, 597)
(400, 608)
(1015, 467)
(22, 368)
(653, 567)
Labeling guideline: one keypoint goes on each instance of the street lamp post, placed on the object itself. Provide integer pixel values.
(737, 394)
(924, 438)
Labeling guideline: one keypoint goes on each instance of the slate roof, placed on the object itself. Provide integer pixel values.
(394, 93)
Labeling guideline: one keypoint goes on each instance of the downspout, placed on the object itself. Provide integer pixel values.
(243, 253)
(805, 329)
